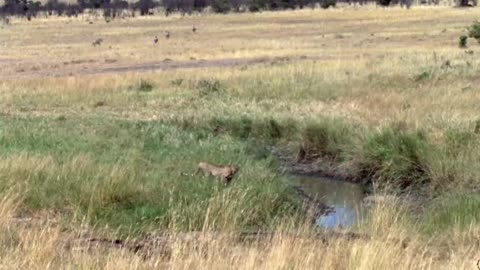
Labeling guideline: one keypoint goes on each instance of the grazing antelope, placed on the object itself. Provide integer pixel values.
(167, 34)
(194, 29)
(97, 42)
(155, 40)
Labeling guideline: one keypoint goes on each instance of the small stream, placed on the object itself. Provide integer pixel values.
(345, 198)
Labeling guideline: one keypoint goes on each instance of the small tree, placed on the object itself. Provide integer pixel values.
(221, 6)
(466, 3)
(328, 3)
(384, 3)
(145, 6)
(256, 5)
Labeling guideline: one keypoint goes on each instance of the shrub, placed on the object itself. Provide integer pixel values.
(406, 3)
(221, 6)
(256, 5)
(474, 31)
(466, 3)
(462, 42)
(384, 3)
(145, 6)
(328, 3)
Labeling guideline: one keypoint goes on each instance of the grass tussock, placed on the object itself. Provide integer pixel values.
(396, 157)
(328, 138)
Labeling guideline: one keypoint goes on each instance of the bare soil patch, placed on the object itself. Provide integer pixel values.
(89, 67)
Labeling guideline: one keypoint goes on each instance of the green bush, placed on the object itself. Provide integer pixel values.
(221, 6)
(256, 5)
(328, 3)
(462, 42)
(384, 3)
(474, 31)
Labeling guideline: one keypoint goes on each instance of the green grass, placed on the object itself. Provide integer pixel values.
(129, 175)
(135, 175)
(454, 211)
(396, 157)
(329, 138)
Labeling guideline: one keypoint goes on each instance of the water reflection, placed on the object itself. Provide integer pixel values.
(346, 198)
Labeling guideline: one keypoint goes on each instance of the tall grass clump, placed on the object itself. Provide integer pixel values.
(474, 31)
(395, 157)
(328, 138)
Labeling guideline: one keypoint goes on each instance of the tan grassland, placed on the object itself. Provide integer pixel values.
(368, 66)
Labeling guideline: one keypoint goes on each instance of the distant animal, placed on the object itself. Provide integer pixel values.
(155, 40)
(194, 29)
(97, 42)
(167, 34)
(225, 173)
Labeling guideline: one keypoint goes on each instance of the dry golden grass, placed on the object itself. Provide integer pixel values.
(360, 64)
(342, 34)
(34, 246)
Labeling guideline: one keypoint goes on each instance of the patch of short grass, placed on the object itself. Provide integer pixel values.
(395, 157)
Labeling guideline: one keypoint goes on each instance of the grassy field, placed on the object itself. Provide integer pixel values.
(101, 140)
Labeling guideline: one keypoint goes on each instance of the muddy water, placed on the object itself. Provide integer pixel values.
(346, 199)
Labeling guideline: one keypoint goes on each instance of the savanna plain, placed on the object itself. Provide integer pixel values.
(98, 143)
